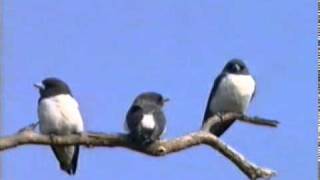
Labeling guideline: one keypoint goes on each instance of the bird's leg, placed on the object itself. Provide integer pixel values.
(79, 133)
(52, 136)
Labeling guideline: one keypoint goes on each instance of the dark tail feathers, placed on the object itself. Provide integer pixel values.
(219, 128)
(143, 137)
(72, 167)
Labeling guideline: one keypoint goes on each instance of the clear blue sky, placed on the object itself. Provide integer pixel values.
(110, 51)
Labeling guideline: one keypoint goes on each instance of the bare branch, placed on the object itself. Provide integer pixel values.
(230, 116)
(161, 148)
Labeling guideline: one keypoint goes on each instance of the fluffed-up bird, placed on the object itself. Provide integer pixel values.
(58, 113)
(145, 120)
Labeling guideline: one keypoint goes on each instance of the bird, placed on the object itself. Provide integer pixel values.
(59, 114)
(145, 120)
(232, 91)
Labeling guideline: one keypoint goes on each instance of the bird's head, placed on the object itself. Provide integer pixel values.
(236, 66)
(151, 98)
(52, 86)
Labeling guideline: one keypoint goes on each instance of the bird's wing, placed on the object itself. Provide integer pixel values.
(214, 89)
(255, 89)
(134, 116)
(160, 124)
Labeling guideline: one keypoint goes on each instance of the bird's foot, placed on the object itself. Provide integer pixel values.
(81, 135)
(52, 136)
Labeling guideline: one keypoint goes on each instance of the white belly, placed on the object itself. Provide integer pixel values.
(233, 94)
(59, 114)
(148, 121)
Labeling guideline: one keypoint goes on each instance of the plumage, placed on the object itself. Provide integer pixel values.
(59, 114)
(148, 121)
(232, 91)
(145, 119)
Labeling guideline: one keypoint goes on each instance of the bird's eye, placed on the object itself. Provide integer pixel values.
(159, 100)
(229, 67)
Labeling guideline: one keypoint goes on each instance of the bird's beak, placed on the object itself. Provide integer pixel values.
(165, 100)
(237, 67)
(39, 86)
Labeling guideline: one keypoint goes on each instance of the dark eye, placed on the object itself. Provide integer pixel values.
(49, 85)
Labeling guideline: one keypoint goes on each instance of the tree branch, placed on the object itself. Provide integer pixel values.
(230, 116)
(28, 136)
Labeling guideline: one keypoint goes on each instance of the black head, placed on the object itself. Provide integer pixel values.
(51, 87)
(150, 98)
(236, 66)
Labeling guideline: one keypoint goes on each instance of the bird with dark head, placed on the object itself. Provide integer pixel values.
(59, 114)
(232, 91)
(145, 120)
(51, 87)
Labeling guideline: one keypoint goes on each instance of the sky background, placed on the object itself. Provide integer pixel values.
(110, 51)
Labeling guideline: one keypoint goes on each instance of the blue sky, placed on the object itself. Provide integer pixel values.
(110, 51)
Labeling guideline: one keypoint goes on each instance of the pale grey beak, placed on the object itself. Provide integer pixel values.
(237, 67)
(39, 86)
(165, 100)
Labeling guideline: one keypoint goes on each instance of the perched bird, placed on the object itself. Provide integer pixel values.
(145, 119)
(59, 114)
(232, 91)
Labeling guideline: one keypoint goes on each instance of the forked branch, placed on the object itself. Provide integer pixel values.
(28, 136)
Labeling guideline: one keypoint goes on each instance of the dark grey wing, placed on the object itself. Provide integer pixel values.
(160, 124)
(134, 116)
(75, 158)
(214, 89)
(255, 90)
(220, 127)
(61, 153)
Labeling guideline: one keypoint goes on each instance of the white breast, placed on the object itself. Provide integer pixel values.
(148, 121)
(244, 84)
(233, 94)
(59, 114)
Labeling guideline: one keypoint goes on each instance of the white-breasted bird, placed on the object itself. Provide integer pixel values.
(59, 114)
(232, 91)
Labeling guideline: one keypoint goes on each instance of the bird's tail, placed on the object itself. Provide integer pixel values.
(67, 157)
(219, 128)
(143, 136)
